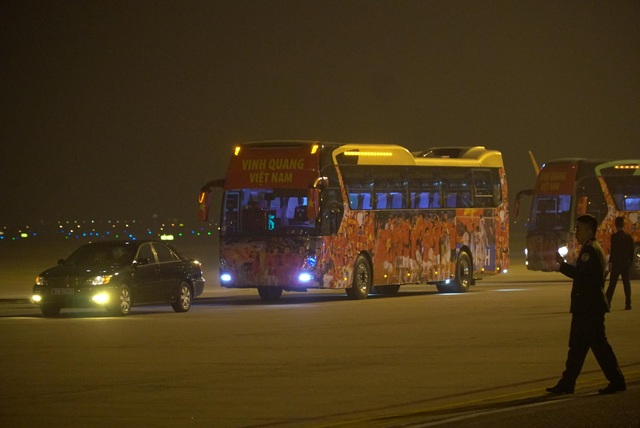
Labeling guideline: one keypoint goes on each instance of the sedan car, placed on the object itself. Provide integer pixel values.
(117, 275)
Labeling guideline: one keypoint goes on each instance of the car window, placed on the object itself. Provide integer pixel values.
(145, 252)
(164, 253)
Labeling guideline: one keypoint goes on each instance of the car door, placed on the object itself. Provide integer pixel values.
(170, 271)
(146, 275)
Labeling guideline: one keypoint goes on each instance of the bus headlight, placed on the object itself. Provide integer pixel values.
(563, 250)
(225, 277)
(305, 277)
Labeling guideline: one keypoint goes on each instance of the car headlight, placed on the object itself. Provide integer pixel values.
(101, 298)
(99, 280)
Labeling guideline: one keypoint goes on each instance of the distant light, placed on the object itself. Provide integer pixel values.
(563, 251)
(24, 235)
(166, 237)
(225, 277)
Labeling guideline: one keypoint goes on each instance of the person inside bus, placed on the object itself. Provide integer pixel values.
(620, 259)
(588, 307)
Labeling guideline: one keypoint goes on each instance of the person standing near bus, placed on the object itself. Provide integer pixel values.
(588, 307)
(620, 259)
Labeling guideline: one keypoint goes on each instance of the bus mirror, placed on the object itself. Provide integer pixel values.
(203, 206)
(204, 199)
(313, 197)
(320, 183)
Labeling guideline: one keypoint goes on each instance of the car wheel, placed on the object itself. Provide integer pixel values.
(361, 286)
(183, 304)
(270, 294)
(50, 310)
(122, 304)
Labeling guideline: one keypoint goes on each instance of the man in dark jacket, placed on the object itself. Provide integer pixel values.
(620, 260)
(588, 306)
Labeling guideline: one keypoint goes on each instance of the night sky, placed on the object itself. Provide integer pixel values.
(123, 109)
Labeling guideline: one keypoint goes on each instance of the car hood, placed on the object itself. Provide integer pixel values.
(80, 271)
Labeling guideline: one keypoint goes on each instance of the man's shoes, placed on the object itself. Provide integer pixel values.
(627, 308)
(612, 388)
(561, 388)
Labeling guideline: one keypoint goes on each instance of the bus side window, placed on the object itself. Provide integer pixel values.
(381, 203)
(451, 200)
(424, 200)
(366, 201)
(396, 201)
(353, 201)
(435, 201)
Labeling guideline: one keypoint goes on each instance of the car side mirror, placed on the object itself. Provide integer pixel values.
(141, 261)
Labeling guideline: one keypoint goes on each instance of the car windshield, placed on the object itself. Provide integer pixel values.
(101, 254)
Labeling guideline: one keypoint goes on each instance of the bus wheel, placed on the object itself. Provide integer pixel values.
(361, 286)
(270, 294)
(635, 265)
(464, 273)
(386, 290)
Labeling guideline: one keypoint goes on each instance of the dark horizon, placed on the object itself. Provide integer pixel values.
(124, 109)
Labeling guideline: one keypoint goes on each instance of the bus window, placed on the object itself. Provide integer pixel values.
(625, 191)
(590, 188)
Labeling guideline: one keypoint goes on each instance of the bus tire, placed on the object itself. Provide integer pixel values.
(464, 273)
(270, 294)
(361, 286)
(635, 264)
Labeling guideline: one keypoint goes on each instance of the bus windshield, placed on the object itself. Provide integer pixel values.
(551, 212)
(266, 211)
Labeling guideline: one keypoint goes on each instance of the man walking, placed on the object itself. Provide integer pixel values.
(588, 306)
(620, 261)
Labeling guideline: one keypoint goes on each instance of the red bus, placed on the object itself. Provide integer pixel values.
(568, 188)
(298, 215)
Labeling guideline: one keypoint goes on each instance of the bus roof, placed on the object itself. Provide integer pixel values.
(392, 154)
(599, 167)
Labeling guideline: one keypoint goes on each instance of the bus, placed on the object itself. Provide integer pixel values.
(365, 218)
(567, 188)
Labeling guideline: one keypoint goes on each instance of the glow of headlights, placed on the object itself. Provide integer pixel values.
(36, 298)
(101, 298)
(100, 280)
(305, 277)
(225, 277)
(563, 251)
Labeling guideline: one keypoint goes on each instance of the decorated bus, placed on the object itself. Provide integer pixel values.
(567, 188)
(366, 218)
